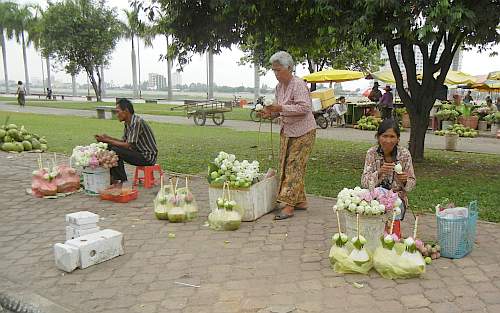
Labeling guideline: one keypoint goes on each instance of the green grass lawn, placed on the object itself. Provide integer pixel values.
(333, 165)
(241, 114)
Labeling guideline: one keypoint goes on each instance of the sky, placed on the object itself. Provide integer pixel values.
(226, 69)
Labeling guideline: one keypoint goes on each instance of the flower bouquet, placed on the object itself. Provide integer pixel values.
(372, 208)
(365, 202)
(50, 180)
(94, 155)
(226, 168)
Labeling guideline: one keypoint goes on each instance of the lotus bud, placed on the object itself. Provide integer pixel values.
(398, 168)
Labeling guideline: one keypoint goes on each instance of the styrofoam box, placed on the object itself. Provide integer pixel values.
(316, 104)
(254, 202)
(82, 218)
(83, 227)
(98, 247)
(72, 232)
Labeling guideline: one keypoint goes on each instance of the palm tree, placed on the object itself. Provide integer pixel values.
(21, 20)
(6, 13)
(130, 31)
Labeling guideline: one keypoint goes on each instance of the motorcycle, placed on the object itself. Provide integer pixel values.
(324, 117)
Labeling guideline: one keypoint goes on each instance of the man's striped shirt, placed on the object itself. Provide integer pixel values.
(140, 136)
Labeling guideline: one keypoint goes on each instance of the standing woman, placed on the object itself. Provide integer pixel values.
(379, 168)
(298, 131)
(21, 94)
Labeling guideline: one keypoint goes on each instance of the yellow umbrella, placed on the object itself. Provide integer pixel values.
(332, 75)
(488, 85)
(494, 75)
(386, 76)
(456, 78)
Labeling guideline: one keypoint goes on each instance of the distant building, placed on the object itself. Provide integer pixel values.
(176, 79)
(157, 81)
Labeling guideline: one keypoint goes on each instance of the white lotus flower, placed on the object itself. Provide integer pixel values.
(356, 200)
(352, 207)
(388, 239)
(398, 168)
(374, 203)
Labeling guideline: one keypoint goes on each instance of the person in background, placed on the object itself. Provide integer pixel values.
(298, 132)
(21, 94)
(490, 105)
(340, 110)
(468, 98)
(498, 104)
(386, 103)
(137, 146)
(49, 93)
(379, 166)
(375, 93)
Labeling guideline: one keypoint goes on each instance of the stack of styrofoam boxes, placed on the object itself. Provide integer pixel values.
(80, 224)
(89, 249)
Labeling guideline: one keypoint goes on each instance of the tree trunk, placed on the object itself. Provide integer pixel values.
(134, 70)
(169, 74)
(95, 85)
(256, 79)
(25, 59)
(73, 84)
(49, 82)
(139, 66)
(101, 81)
(419, 122)
(4, 56)
(210, 74)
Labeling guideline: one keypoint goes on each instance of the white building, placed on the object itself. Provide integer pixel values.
(176, 79)
(156, 81)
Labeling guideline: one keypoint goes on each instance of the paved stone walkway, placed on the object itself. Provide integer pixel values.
(265, 264)
(479, 144)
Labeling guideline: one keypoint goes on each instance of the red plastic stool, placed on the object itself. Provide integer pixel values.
(148, 178)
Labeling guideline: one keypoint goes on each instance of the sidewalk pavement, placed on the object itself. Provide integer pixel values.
(478, 145)
(265, 266)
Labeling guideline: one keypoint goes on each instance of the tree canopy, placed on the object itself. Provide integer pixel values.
(81, 33)
(436, 29)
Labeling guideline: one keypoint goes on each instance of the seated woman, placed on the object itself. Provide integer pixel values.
(379, 166)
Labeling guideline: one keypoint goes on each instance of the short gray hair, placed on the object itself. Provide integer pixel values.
(283, 58)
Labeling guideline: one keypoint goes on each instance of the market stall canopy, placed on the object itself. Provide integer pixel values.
(332, 75)
(385, 76)
(488, 85)
(494, 75)
(456, 78)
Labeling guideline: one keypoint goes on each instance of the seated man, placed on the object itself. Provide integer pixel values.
(340, 110)
(138, 145)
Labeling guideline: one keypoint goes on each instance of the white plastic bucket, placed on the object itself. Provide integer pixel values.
(370, 226)
(95, 179)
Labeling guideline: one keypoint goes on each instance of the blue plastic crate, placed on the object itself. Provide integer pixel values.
(456, 236)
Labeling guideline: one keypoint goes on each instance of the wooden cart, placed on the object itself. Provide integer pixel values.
(200, 110)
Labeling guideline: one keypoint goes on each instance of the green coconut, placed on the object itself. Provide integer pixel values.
(2, 133)
(9, 146)
(12, 126)
(35, 144)
(20, 146)
(43, 147)
(27, 145)
(43, 140)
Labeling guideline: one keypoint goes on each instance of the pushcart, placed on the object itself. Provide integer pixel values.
(200, 110)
